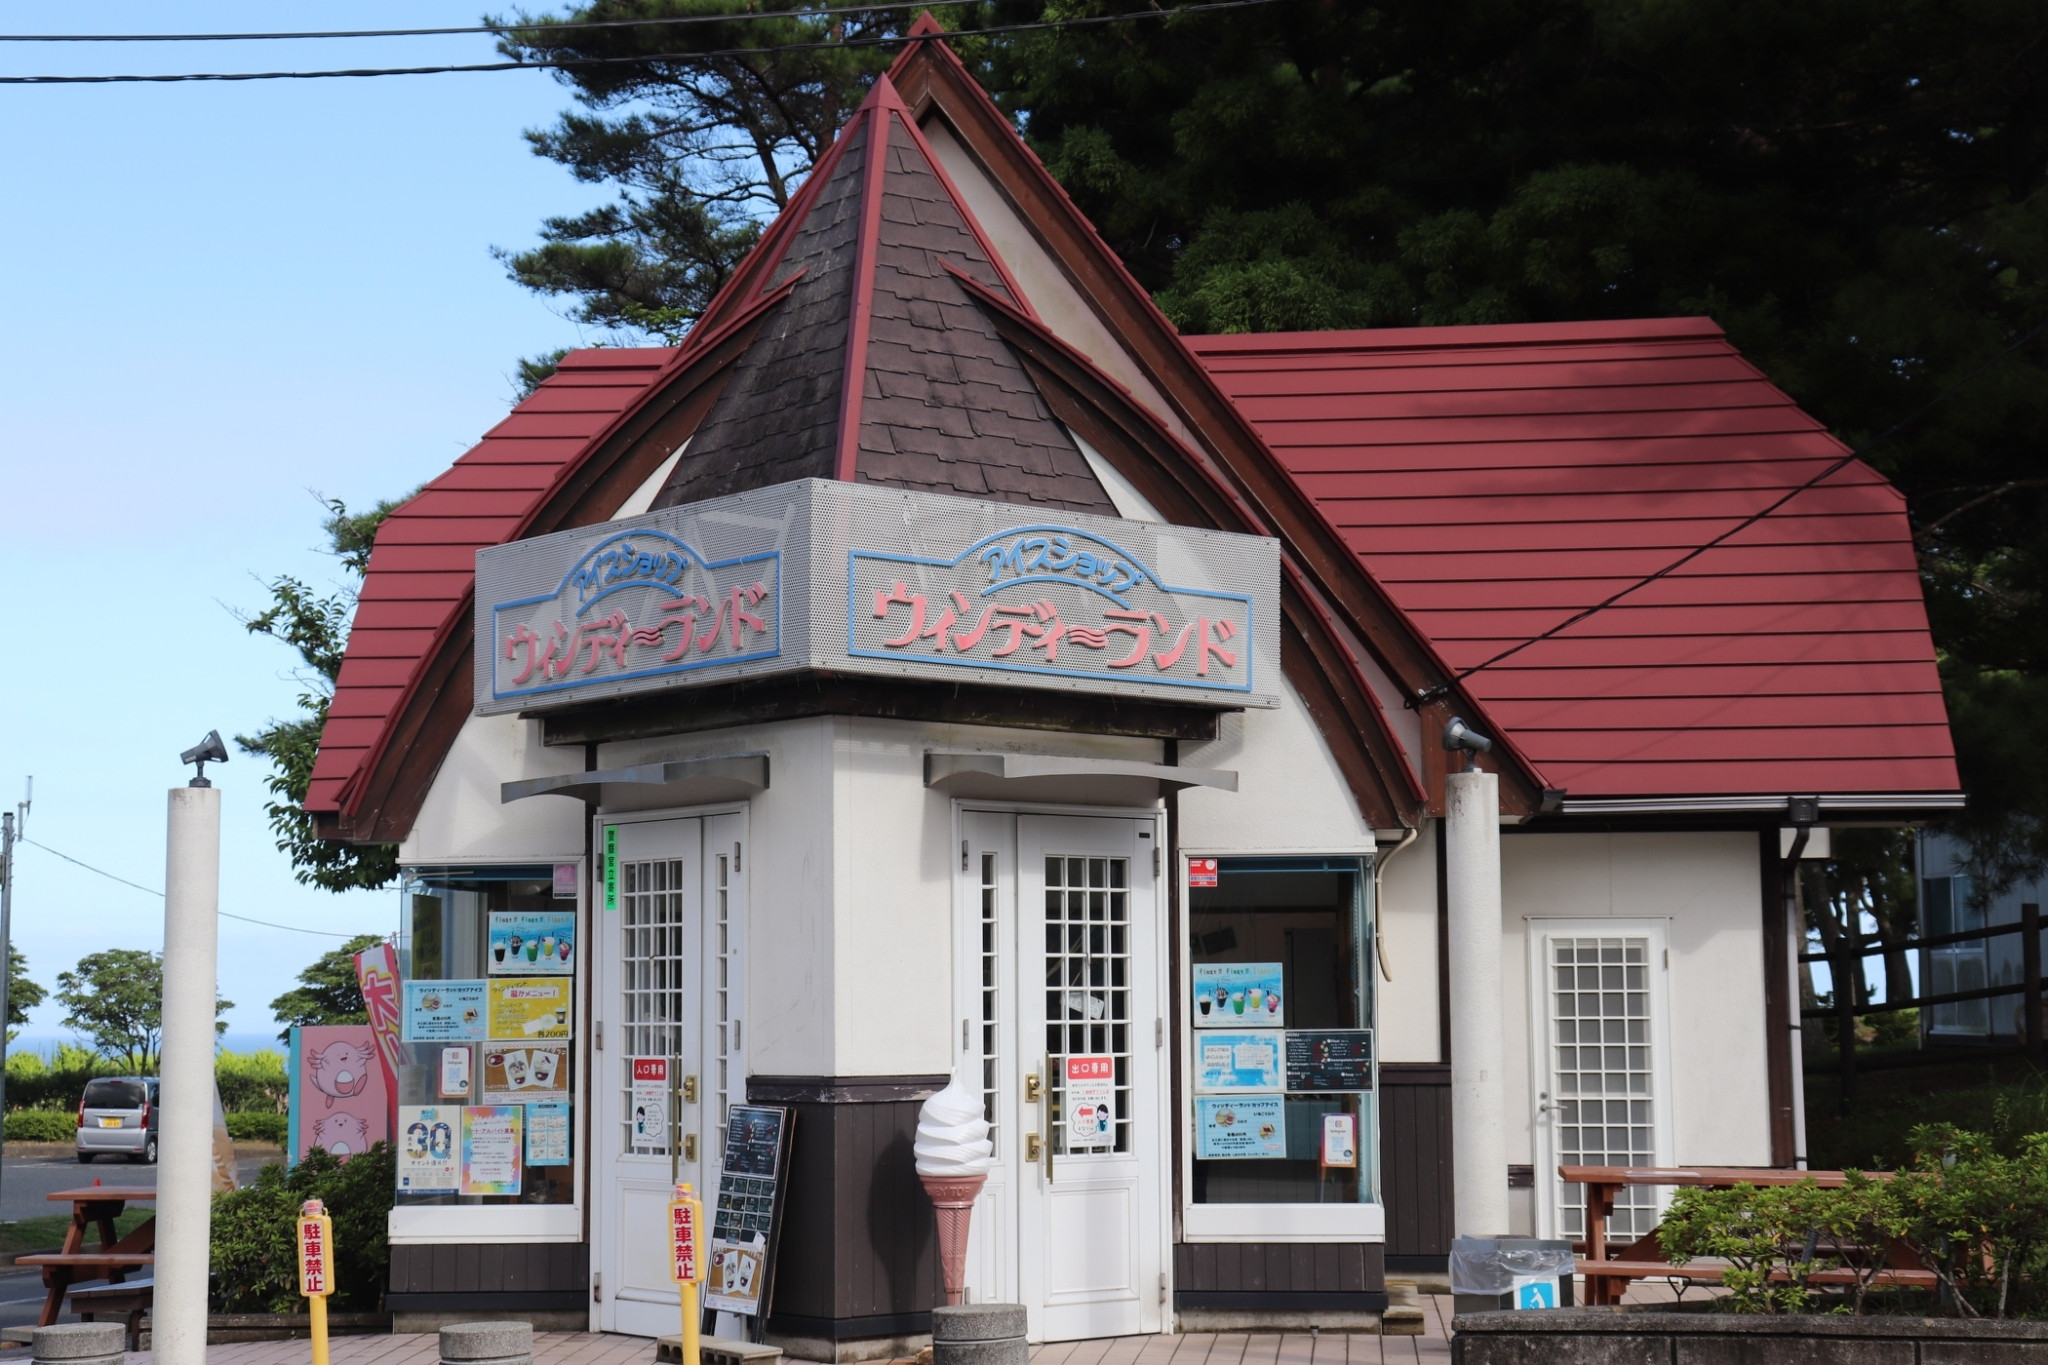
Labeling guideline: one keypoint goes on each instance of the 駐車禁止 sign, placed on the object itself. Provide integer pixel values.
(857, 579)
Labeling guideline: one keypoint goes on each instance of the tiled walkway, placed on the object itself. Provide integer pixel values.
(590, 1348)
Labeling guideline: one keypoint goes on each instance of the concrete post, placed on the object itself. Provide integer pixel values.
(487, 1343)
(1479, 1161)
(184, 1181)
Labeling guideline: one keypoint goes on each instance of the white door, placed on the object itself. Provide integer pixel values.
(1061, 963)
(1599, 998)
(668, 997)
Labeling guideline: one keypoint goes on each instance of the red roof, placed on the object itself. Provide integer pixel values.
(1497, 479)
(423, 569)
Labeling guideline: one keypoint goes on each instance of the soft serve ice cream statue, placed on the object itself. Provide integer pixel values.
(953, 1158)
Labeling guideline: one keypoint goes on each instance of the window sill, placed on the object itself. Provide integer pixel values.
(449, 1223)
(1284, 1223)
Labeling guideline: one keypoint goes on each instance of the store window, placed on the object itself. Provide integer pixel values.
(488, 1016)
(1280, 1031)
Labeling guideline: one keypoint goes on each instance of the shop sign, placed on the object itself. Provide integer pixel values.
(854, 578)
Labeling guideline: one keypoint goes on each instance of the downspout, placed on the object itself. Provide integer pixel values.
(1795, 909)
(1379, 869)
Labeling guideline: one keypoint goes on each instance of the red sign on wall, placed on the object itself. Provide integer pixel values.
(1202, 872)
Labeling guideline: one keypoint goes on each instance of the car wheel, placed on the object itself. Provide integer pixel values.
(147, 1156)
(85, 1158)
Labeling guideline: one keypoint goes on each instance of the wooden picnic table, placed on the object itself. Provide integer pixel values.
(1605, 1282)
(94, 1205)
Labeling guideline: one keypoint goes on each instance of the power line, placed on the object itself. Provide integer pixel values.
(268, 924)
(648, 59)
(567, 26)
(1429, 694)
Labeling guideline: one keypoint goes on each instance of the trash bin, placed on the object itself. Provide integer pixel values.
(1489, 1273)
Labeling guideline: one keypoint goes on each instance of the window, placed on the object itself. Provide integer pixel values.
(1951, 907)
(486, 1081)
(1279, 1032)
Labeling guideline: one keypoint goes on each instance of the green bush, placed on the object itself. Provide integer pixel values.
(252, 1082)
(258, 1127)
(41, 1125)
(254, 1233)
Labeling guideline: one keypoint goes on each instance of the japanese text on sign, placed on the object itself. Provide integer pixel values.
(682, 1229)
(315, 1275)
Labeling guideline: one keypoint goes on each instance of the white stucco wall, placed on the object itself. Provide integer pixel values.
(1290, 794)
(463, 818)
(1408, 1009)
(1706, 889)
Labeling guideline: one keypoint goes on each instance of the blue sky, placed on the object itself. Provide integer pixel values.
(219, 300)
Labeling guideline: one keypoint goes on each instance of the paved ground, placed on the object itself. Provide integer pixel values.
(34, 1170)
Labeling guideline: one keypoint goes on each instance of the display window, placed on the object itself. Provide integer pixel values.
(488, 1014)
(1282, 1069)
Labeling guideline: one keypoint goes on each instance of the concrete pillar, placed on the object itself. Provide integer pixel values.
(487, 1343)
(1479, 1159)
(979, 1334)
(80, 1343)
(184, 1180)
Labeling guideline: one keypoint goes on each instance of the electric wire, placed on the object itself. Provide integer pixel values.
(1429, 694)
(268, 924)
(644, 59)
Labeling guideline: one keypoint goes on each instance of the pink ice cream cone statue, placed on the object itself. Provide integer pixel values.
(953, 1160)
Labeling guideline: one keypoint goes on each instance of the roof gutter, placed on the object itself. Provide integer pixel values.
(1845, 804)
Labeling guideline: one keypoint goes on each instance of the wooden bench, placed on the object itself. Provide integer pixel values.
(128, 1299)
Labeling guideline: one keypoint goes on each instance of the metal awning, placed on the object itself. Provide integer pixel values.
(684, 778)
(973, 773)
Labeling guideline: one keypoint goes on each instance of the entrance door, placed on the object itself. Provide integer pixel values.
(1060, 1004)
(666, 1053)
(1603, 1091)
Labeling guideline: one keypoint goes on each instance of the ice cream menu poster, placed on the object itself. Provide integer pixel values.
(531, 943)
(1246, 1062)
(530, 1007)
(443, 1011)
(526, 1074)
(1238, 995)
(1240, 1126)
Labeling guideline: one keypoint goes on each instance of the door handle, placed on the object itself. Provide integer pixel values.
(1034, 1147)
(689, 1146)
(1051, 1137)
(1032, 1086)
(689, 1090)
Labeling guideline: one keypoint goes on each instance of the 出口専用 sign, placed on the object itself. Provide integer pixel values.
(854, 579)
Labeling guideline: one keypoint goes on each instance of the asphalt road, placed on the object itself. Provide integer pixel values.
(34, 1170)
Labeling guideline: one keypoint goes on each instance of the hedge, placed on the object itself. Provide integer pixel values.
(257, 1127)
(254, 1258)
(41, 1125)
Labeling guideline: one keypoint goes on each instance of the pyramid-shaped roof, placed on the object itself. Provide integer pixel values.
(878, 367)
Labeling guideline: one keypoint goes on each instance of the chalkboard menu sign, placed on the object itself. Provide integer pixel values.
(746, 1219)
(1325, 1060)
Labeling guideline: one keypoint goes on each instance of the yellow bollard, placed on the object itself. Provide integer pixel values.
(316, 1270)
(686, 1266)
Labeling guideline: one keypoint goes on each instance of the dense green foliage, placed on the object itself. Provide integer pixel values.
(40, 1125)
(115, 999)
(251, 1127)
(1852, 188)
(1976, 1215)
(23, 994)
(327, 992)
(254, 1233)
(315, 627)
(251, 1082)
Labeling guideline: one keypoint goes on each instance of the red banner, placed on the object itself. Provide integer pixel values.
(377, 976)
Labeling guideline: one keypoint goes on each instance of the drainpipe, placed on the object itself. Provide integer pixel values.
(1478, 1076)
(1803, 811)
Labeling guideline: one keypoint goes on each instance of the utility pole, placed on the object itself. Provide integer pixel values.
(13, 824)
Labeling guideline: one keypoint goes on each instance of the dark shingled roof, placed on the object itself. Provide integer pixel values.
(942, 404)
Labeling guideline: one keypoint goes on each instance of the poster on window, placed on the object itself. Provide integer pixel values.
(1320, 1061)
(493, 1148)
(650, 1101)
(1240, 1127)
(443, 1011)
(547, 1133)
(525, 1075)
(524, 1008)
(532, 943)
(427, 1159)
(1241, 1063)
(1091, 1101)
(1238, 995)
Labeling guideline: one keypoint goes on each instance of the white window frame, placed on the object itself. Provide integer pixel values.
(1663, 1126)
(1267, 1222)
(454, 1224)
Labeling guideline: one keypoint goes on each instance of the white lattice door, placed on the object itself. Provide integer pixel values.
(1599, 997)
(669, 999)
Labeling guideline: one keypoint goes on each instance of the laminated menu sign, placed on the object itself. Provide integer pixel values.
(1240, 1127)
(1240, 1062)
(650, 1101)
(443, 1011)
(1326, 1060)
(493, 1148)
(515, 1075)
(547, 1133)
(527, 1007)
(427, 1159)
(1238, 995)
(532, 943)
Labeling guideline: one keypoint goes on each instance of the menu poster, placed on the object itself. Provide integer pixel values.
(525, 1074)
(443, 1011)
(547, 1133)
(528, 1007)
(1240, 1062)
(493, 1148)
(739, 1271)
(531, 943)
(1323, 1060)
(743, 1221)
(1238, 995)
(427, 1160)
(455, 1064)
(1240, 1127)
